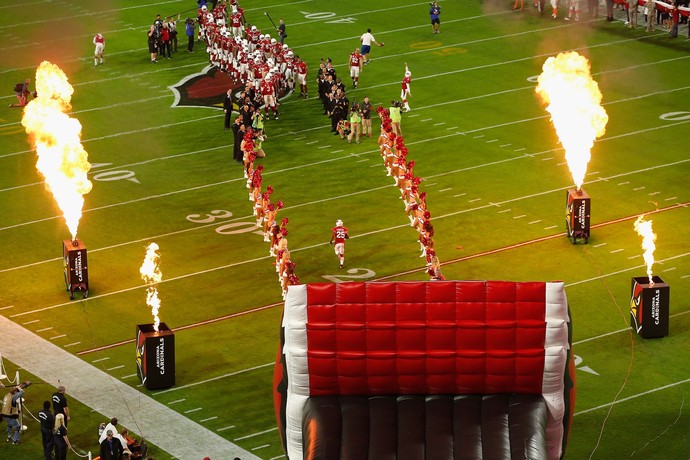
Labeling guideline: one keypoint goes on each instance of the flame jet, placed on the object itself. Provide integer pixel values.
(574, 101)
(56, 137)
(151, 274)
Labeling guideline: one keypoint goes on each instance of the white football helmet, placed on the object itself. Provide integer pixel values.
(338, 223)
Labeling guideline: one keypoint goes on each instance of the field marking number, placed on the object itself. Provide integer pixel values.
(354, 273)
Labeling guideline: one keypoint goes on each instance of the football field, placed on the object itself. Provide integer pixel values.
(491, 163)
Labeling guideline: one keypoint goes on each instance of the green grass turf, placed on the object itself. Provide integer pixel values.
(493, 171)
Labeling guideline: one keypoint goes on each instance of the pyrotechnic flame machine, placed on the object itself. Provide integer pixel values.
(578, 206)
(151, 274)
(76, 267)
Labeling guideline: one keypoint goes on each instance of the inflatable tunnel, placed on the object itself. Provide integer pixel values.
(425, 370)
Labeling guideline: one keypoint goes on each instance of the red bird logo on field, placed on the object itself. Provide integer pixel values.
(205, 89)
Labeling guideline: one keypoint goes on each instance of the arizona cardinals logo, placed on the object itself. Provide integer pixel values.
(205, 89)
(635, 307)
(141, 356)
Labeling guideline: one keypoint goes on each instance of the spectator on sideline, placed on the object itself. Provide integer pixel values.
(281, 31)
(189, 29)
(227, 108)
(435, 13)
(675, 16)
(366, 117)
(60, 437)
(166, 41)
(60, 403)
(47, 424)
(153, 43)
(367, 39)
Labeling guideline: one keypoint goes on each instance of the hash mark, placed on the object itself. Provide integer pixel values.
(505, 145)
(208, 419)
(472, 201)
(520, 216)
(520, 149)
(177, 401)
(72, 344)
(226, 428)
(44, 329)
(624, 183)
(128, 376)
(260, 447)
(459, 194)
(100, 359)
(599, 245)
(634, 257)
(59, 337)
(638, 188)
(427, 119)
(192, 410)
(505, 210)
(312, 142)
(654, 193)
(452, 127)
(477, 137)
(446, 189)
(363, 160)
(31, 322)
(492, 140)
(324, 147)
(116, 367)
(439, 124)
(534, 222)
(669, 269)
(672, 198)
(616, 250)
(549, 228)
(337, 151)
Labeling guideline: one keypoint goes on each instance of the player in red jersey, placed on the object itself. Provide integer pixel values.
(339, 235)
(405, 88)
(99, 41)
(355, 67)
(301, 68)
(268, 92)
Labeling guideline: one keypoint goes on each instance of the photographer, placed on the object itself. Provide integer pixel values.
(396, 117)
(11, 410)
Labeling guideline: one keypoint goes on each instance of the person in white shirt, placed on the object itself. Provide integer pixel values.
(367, 39)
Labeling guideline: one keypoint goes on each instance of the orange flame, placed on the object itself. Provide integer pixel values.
(644, 229)
(151, 274)
(573, 100)
(56, 137)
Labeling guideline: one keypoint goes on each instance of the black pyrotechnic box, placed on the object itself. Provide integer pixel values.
(76, 267)
(156, 356)
(649, 310)
(577, 207)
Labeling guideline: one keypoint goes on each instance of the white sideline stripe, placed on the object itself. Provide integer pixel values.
(212, 379)
(161, 424)
(644, 393)
(256, 434)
